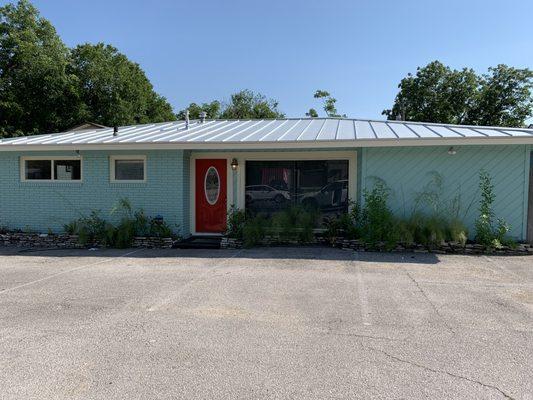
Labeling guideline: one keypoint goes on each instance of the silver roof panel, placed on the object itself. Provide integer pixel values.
(274, 131)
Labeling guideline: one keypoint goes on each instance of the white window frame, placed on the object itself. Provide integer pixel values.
(23, 160)
(134, 157)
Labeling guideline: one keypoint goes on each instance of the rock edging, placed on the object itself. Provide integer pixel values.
(64, 241)
(358, 245)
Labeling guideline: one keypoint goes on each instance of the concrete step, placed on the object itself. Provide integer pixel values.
(199, 242)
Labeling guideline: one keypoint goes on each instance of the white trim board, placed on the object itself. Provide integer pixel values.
(242, 157)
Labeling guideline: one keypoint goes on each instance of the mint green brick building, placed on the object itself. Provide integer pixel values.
(191, 173)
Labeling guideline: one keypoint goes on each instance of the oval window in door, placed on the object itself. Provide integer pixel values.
(212, 185)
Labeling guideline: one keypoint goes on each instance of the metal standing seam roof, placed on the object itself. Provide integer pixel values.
(280, 131)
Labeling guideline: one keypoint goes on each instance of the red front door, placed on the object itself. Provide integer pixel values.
(211, 196)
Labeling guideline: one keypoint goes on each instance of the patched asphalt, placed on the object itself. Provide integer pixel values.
(281, 323)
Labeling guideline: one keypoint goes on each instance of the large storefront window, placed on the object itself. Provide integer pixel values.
(272, 186)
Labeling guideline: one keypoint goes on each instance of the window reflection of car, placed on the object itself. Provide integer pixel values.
(265, 193)
(332, 195)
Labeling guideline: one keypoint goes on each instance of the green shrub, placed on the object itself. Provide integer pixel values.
(142, 224)
(295, 223)
(235, 223)
(456, 231)
(377, 220)
(404, 231)
(159, 228)
(93, 229)
(254, 231)
(346, 225)
(90, 229)
(433, 231)
(486, 233)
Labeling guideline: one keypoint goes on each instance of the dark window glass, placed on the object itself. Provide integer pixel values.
(67, 170)
(129, 170)
(38, 169)
(272, 186)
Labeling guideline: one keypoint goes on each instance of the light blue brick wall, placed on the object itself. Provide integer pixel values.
(40, 206)
(43, 206)
(407, 170)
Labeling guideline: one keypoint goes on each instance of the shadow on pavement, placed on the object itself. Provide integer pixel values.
(280, 253)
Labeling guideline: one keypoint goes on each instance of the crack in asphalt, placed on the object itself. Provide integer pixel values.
(429, 301)
(414, 364)
(361, 336)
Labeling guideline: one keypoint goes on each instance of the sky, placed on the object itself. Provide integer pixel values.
(199, 51)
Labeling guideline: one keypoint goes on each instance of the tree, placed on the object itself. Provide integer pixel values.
(439, 94)
(505, 97)
(328, 105)
(115, 90)
(45, 87)
(37, 94)
(249, 105)
(212, 110)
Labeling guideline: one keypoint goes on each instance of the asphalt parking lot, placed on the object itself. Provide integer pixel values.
(284, 323)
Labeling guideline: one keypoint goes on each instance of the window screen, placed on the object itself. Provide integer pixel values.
(129, 170)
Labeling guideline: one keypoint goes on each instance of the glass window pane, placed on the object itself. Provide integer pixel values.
(129, 170)
(67, 170)
(212, 185)
(321, 185)
(38, 169)
(269, 186)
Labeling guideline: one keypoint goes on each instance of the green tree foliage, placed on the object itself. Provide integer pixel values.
(245, 104)
(212, 110)
(502, 97)
(115, 90)
(46, 87)
(249, 105)
(505, 97)
(37, 94)
(328, 104)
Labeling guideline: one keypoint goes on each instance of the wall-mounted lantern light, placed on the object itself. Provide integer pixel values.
(452, 151)
(234, 164)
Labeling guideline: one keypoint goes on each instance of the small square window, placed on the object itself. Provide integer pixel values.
(38, 170)
(128, 169)
(67, 170)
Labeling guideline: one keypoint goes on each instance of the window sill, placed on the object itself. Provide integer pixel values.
(127, 182)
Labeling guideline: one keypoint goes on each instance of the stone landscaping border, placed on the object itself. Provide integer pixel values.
(357, 245)
(64, 241)
(43, 240)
